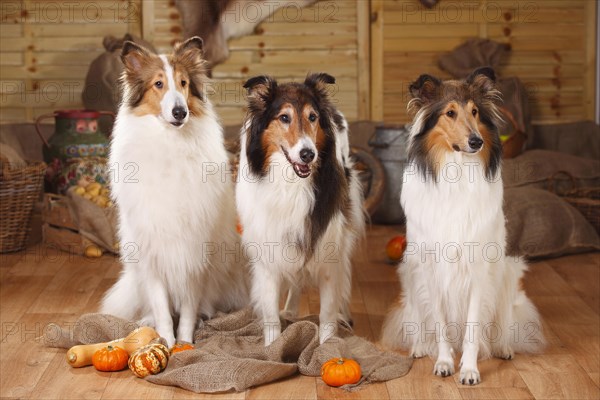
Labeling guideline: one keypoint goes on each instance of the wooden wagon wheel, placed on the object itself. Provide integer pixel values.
(374, 195)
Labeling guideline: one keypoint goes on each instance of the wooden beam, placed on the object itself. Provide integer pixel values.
(134, 17)
(148, 21)
(590, 88)
(364, 59)
(377, 60)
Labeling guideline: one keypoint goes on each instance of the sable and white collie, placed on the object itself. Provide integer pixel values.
(176, 210)
(461, 292)
(298, 198)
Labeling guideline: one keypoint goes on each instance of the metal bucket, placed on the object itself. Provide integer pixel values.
(389, 144)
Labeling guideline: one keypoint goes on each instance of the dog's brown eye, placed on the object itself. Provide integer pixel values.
(474, 112)
(284, 118)
(183, 83)
(450, 113)
(312, 117)
(158, 84)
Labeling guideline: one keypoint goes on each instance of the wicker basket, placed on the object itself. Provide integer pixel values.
(586, 200)
(20, 188)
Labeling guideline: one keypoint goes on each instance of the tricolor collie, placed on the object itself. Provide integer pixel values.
(298, 199)
(173, 214)
(461, 292)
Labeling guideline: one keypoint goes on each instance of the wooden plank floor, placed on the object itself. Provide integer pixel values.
(40, 285)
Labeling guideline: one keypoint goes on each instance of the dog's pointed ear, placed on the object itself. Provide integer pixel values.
(482, 84)
(483, 78)
(260, 89)
(189, 53)
(426, 88)
(195, 43)
(133, 56)
(319, 80)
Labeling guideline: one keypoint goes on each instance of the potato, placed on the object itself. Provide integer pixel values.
(93, 251)
(79, 190)
(93, 186)
(105, 192)
(101, 200)
(94, 191)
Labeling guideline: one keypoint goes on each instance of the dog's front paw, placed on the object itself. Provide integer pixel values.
(418, 354)
(271, 331)
(469, 376)
(443, 368)
(506, 353)
(327, 331)
(170, 339)
(418, 350)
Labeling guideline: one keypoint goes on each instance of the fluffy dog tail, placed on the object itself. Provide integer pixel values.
(528, 326)
(403, 330)
(391, 333)
(526, 329)
(122, 300)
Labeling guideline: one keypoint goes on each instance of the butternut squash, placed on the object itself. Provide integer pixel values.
(81, 355)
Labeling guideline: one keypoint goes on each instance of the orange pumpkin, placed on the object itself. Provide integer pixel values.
(149, 360)
(110, 358)
(181, 347)
(340, 371)
(395, 248)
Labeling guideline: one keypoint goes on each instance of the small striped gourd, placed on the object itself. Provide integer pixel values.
(149, 360)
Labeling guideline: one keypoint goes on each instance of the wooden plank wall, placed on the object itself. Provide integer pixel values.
(552, 42)
(290, 43)
(46, 48)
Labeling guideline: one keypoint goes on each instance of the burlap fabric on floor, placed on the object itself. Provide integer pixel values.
(230, 354)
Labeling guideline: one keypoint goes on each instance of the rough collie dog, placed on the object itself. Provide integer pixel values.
(461, 292)
(298, 199)
(176, 212)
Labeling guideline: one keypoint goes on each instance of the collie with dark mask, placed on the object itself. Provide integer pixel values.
(461, 292)
(298, 198)
(173, 213)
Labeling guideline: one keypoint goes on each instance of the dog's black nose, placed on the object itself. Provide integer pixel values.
(179, 113)
(475, 142)
(307, 155)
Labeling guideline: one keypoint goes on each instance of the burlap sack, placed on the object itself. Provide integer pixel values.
(12, 154)
(471, 54)
(536, 167)
(230, 354)
(101, 91)
(515, 103)
(541, 224)
(93, 222)
(581, 138)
